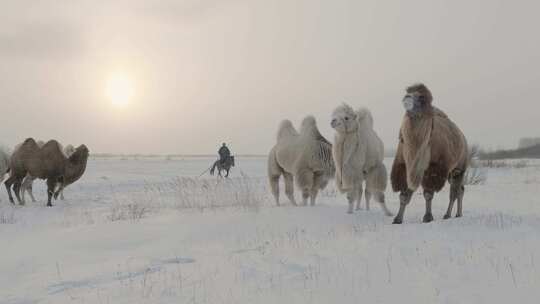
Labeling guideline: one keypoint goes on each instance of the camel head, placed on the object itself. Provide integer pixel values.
(417, 100)
(344, 119)
(80, 155)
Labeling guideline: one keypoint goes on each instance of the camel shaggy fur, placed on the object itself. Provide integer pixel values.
(47, 162)
(28, 182)
(431, 151)
(4, 162)
(304, 157)
(358, 155)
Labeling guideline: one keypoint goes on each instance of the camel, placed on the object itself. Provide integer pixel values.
(47, 162)
(4, 162)
(358, 155)
(431, 151)
(27, 184)
(304, 157)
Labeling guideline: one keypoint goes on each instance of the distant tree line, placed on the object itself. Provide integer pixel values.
(527, 152)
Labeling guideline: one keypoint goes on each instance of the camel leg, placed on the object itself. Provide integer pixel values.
(351, 197)
(62, 194)
(30, 190)
(27, 187)
(457, 190)
(379, 197)
(17, 189)
(368, 198)
(9, 182)
(404, 200)
(289, 187)
(453, 197)
(274, 186)
(305, 182)
(360, 192)
(51, 185)
(317, 182)
(460, 201)
(428, 196)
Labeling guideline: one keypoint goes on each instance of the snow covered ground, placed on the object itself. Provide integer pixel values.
(148, 231)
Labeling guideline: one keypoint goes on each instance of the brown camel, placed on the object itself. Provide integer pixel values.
(47, 162)
(431, 150)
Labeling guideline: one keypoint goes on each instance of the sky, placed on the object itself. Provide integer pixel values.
(195, 74)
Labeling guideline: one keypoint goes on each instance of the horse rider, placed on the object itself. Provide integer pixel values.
(224, 153)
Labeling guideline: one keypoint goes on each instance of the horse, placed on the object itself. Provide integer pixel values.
(226, 165)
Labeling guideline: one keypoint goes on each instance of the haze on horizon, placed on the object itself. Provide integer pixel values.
(183, 76)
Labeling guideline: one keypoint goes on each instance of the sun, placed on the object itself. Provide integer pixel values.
(119, 89)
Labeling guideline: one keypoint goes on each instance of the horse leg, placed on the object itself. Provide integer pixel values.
(404, 200)
(51, 184)
(428, 196)
(227, 174)
(289, 187)
(8, 184)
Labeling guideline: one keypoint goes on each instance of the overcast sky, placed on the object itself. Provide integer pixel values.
(203, 72)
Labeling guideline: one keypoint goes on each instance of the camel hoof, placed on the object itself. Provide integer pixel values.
(397, 221)
(446, 216)
(428, 218)
(49, 205)
(459, 215)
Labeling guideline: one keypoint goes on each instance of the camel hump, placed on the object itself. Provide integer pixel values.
(363, 115)
(29, 141)
(52, 146)
(286, 129)
(440, 113)
(309, 128)
(28, 145)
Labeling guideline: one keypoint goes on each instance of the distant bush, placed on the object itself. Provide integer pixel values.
(476, 174)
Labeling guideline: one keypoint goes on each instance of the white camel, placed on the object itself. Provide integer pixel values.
(358, 155)
(304, 157)
(28, 182)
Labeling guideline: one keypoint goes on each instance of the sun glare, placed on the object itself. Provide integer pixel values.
(119, 89)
